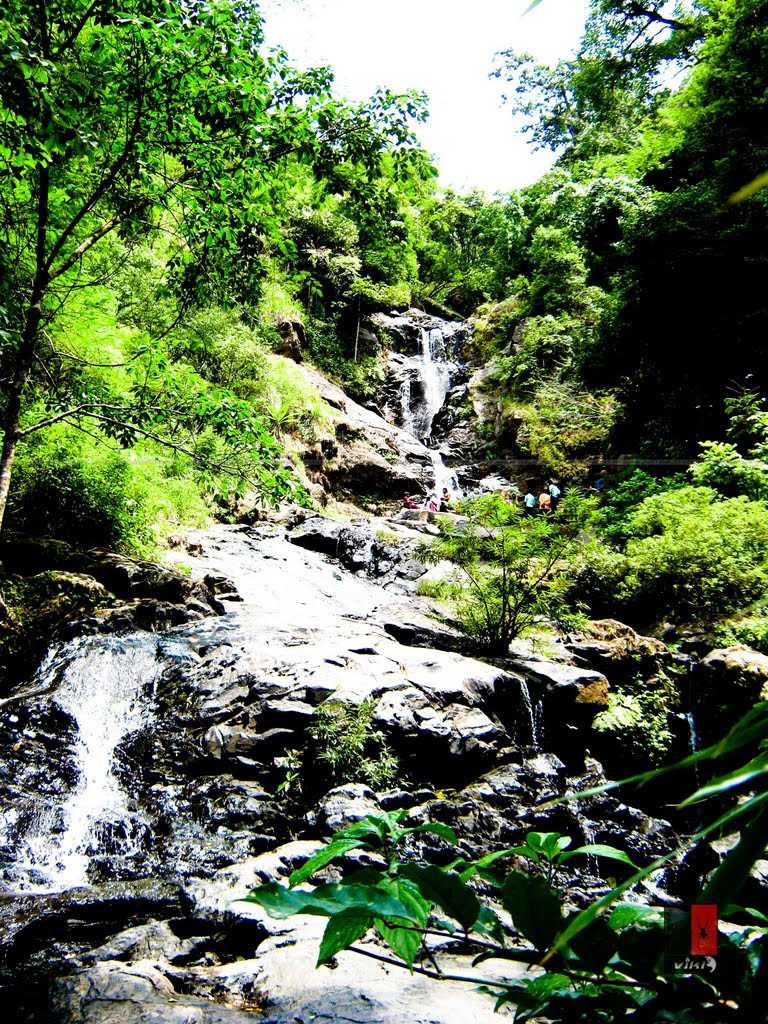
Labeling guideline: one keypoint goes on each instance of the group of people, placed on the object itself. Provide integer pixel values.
(546, 501)
(434, 502)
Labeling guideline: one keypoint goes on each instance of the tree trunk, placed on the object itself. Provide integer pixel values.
(13, 410)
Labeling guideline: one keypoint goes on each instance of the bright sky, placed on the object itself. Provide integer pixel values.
(444, 48)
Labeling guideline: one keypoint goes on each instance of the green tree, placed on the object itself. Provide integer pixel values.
(512, 569)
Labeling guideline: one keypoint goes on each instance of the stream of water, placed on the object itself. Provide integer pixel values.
(105, 685)
(433, 370)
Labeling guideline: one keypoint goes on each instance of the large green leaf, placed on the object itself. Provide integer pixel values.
(434, 827)
(599, 850)
(327, 900)
(404, 942)
(534, 906)
(341, 931)
(446, 890)
(336, 848)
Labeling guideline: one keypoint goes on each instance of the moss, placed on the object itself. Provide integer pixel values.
(33, 609)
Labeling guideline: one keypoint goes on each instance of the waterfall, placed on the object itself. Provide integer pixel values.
(435, 376)
(693, 736)
(534, 715)
(433, 371)
(104, 686)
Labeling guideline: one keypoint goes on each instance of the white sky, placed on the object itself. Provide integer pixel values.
(444, 48)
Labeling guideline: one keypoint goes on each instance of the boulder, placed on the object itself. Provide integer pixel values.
(223, 740)
(293, 339)
(569, 699)
(615, 649)
(345, 805)
(723, 686)
(317, 534)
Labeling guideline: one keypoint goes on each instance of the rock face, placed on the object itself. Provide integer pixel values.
(613, 647)
(724, 685)
(368, 456)
(220, 707)
(63, 593)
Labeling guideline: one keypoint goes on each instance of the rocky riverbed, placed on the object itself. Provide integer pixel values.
(125, 906)
(153, 763)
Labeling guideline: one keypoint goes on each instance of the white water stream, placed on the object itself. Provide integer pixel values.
(434, 373)
(105, 685)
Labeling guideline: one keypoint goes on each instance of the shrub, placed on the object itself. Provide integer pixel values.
(721, 466)
(751, 631)
(563, 425)
(691, 554)
(78, 492)
(634, 729)
(512, 569)
(349, 748)
(626, 492)
(545, 348)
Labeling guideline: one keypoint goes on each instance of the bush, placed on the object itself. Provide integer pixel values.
(751, 631)
(544, 349)
(348, 748)
(511, 569)
(721, 466)
(563, 425)
(362, 379)
(91, 496)
(634, 729)
(78, 492)
(626, 492)
(691, 554)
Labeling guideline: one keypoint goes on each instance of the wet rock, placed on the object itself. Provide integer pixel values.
(344, 805)
(611, 647)
(416, 634)
(145, 941)
(223, 740)
(724, 685)
(288, 714)
(318, 534)
(440, 743)
(570, 698)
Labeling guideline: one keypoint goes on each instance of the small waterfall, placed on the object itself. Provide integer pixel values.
(433, 372)
(104, 685)
(534, 715)
(444, 476)
(435, 376)
(693, 736)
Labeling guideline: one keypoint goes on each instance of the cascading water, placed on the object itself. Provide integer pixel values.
(105, 685)
(432, 370)
(435, 376)
(534, 716)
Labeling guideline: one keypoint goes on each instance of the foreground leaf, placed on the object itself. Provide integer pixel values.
(341, 931)
(446, 890)
(534, 906)
(327, 900)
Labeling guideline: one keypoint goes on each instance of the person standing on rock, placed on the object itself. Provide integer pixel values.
(554, 493)
(529, 502)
